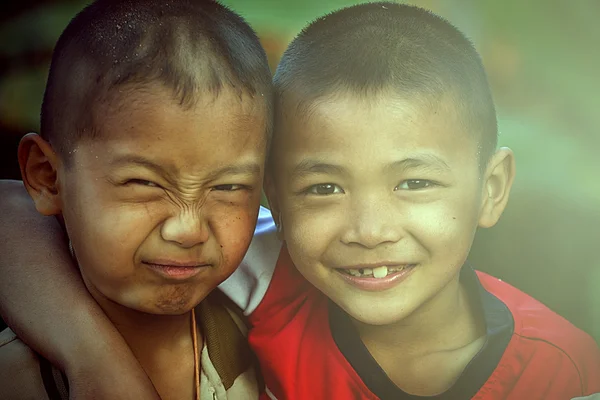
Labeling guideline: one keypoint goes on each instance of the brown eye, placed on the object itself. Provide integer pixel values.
(414, 184)
(325, 189)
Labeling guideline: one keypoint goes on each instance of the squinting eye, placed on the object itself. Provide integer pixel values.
(325, 189)
(141, 182)
(228, 188)
(414, 184)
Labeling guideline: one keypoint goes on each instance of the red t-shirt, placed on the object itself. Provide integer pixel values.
(308, 348)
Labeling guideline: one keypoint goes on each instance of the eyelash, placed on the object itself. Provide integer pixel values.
(236, 187)
(223, 188)
(428, 184)
(312, 190)
(142, 182)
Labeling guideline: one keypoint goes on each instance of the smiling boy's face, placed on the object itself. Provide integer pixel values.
(161, 208)
(380, 200)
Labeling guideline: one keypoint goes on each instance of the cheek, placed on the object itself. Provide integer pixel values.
(310, 232)
(233, 228)
(107, 236)
(446, 226)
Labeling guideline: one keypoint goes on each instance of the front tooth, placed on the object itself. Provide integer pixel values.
(367, 271)
(380, 272)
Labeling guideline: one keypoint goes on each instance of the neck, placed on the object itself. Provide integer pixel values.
(163, 345)
(152, 338)
(146, 334)
(446, 322)
(149, 336)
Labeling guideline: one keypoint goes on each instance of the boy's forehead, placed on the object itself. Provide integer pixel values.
(401, 123)
(353, 113)
(133, 108)
(148, 126)
(154, 94)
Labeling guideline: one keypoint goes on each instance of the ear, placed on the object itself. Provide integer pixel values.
(271, 194)
(39, 165)
(499, 177)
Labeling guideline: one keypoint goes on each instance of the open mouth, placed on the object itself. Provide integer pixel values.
(375, 273)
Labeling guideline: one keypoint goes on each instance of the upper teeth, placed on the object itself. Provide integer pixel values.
(379, 272)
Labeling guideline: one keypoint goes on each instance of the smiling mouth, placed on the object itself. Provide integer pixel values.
(375, 273)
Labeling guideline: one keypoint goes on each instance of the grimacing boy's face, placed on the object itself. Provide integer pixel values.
(161, 209)
(380, 199)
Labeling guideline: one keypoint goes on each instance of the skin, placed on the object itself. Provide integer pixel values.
(432, 325)
(382, 180)
(87, 333)
(164, 186)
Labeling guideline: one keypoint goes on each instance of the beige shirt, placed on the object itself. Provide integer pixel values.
(228, 367)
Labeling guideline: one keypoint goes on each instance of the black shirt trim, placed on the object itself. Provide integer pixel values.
(499, 328)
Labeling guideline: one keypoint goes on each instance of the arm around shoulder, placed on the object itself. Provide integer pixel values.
(32, 245)
(41, 284)
(19, 370)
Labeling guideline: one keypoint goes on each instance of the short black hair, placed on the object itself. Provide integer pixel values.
(189, 46)
(368, 48)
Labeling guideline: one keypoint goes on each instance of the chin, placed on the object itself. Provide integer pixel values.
(164, 309)
(375, 316)
(176, 309)
(163, 306)
(173, 313)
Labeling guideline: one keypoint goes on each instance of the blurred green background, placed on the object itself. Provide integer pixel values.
(542, 58)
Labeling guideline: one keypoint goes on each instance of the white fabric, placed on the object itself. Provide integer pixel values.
(244, 387)
(249, 283)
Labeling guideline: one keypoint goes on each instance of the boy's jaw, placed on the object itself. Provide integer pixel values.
(400, 297)
(157, 236)
(372, 219)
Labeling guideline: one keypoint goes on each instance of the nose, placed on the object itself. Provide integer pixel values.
(186, 228)
(372, 221)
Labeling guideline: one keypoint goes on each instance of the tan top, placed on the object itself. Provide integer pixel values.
(228, 367)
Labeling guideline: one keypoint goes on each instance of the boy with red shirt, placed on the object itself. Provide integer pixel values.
(383, 165)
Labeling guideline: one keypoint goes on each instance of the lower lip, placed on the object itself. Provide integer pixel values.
(175, 272)
(377, 284)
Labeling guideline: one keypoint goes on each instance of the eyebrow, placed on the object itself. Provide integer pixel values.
(249, 168)
(131, 159)
(428, 161)
(312, 166)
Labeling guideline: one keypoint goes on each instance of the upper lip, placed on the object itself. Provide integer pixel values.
(375, 265)
(177, 263)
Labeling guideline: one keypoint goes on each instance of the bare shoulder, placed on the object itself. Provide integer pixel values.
(19, 370)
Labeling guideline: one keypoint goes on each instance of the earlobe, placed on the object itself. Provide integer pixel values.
(39, 165)
(271, 194)
(499, 177)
